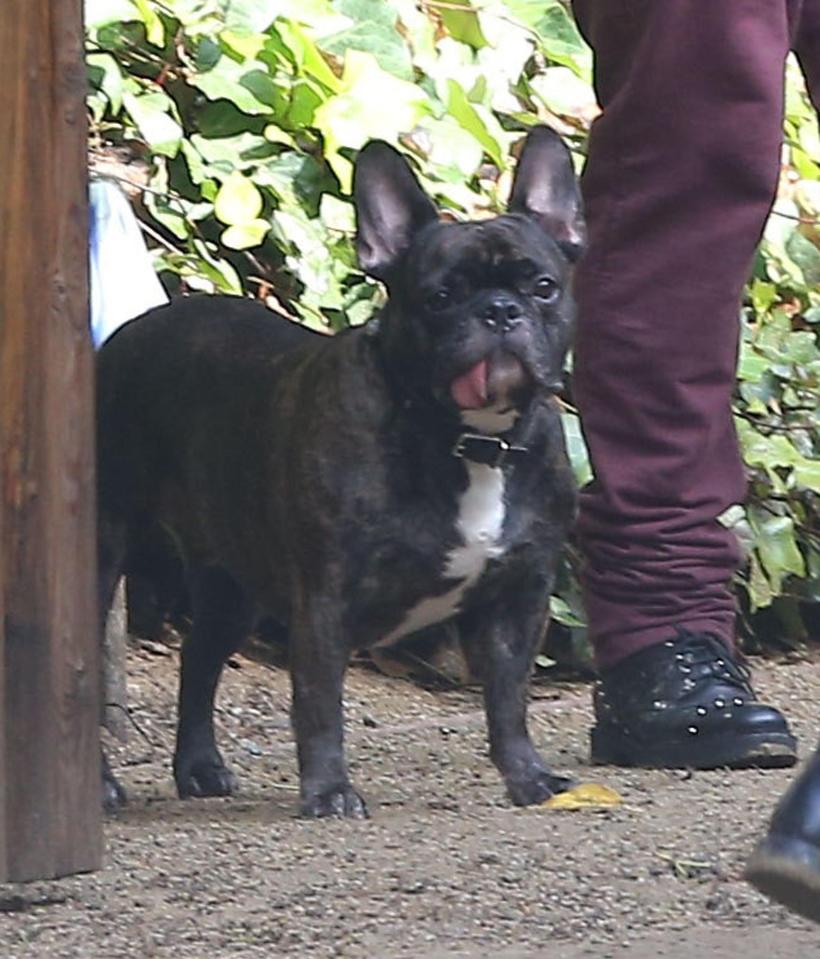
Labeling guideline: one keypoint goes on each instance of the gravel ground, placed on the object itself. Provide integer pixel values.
(444, 869)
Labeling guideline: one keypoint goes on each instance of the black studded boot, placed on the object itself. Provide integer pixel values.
(786, 863)
(686, 703)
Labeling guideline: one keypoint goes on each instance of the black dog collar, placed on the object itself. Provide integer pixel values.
(486, 450)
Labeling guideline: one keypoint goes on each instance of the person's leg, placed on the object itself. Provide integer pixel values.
(807, 48)
(682, 171)
(786, 863)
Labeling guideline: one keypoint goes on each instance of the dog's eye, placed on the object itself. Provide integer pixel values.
(547, 289)
(440, 300)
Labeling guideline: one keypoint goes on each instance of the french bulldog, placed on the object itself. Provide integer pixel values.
(363, 486)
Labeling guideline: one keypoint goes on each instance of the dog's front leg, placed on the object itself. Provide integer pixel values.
(500, 640)
(222, 618)
(318, 659)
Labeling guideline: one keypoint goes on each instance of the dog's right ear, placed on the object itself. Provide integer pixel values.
(390, 207)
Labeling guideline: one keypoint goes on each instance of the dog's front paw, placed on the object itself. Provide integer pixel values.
(340, 802)
(207, 776)
(537, 788)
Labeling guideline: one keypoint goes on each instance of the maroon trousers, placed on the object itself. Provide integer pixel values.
(682, 171)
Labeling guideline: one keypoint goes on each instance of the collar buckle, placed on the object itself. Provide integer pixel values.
(490, 451)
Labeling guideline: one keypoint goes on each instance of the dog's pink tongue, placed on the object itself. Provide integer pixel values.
(470, 389)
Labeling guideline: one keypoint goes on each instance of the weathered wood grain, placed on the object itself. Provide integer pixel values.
(49, 704)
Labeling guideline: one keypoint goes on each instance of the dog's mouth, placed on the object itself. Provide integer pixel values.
(496, 380)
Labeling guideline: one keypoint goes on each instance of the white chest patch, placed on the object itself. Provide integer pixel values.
(479, 525)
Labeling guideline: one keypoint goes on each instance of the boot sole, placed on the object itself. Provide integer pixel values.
(757, 750)
(788, 871)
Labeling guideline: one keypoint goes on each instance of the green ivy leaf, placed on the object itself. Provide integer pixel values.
(801, 347)
(758, 586)
(243, 236)
(218, 270)
(310, 240)
(807, 474)
(562, 92)
(250, 16)
(337, 214)
(151, 115)
(222, 119)
(305, 100)
(307, 55)
(576, 448)
(777, 547)
(476, 122)
(763, 295)
(373, 103)
(806, 167)
(451, 147)
(229, 153)
(561, 611)
(154, 30)
(247, 85)
(768, 451)
(559, 38)
(105, 75)
(165, 208)
(752, 365)
(372, 30)
(463, 25)
(238, 201)
(807, 257)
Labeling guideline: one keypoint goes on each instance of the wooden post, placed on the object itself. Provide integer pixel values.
(49, 644)
(3, 854)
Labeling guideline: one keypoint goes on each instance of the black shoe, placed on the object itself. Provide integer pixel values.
(686, 703)
(786, 863)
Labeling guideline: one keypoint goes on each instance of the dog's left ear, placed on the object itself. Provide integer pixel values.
(545, 188)
(390, 207)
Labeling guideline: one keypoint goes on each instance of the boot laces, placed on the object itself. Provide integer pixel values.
(706, 650)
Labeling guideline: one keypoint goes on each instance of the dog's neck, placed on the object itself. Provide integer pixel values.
(491, 421)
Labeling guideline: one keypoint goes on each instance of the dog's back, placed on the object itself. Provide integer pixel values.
(167, 382)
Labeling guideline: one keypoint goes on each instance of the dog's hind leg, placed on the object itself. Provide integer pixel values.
(111, 548)
(111, 540)
(222, 618)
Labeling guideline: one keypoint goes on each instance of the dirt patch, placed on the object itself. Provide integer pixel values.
(444, 869)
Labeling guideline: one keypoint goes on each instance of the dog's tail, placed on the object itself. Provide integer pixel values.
(123, 281)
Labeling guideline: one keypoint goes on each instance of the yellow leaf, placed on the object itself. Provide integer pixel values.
(584, 796)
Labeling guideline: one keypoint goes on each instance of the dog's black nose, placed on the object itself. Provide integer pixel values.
(502, 312)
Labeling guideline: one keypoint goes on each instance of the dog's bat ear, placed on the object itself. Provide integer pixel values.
(390, 207)
(545, 188)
